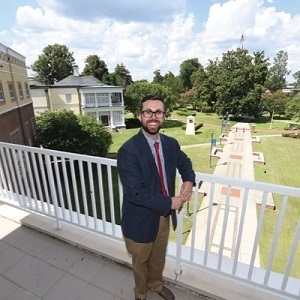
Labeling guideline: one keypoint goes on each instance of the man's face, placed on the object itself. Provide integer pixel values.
(152, 124)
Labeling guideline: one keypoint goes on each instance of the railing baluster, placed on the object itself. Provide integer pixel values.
(67, 188)
(291, 257)
(209, 222)
(275, 239)
(111, 200)
(92, 194)
(257, 235)
(75, 192)
(224, 228)
(45, 183)
(58, 181)
(83, 192)
(101, 195)
(53, 191)
(37, 182)
(8, 181)
(240, 231)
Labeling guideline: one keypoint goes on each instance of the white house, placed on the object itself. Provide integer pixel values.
(84, 95)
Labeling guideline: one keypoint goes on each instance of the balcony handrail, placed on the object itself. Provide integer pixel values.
(86, 191)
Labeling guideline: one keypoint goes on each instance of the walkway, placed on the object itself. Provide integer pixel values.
(235, 161)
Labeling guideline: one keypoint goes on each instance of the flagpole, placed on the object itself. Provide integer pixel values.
(242, 41)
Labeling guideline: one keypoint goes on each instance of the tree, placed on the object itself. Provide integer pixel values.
(202, 98)
(297, 78)
(277, 74)
(275, 103)
(64, 131)
(292, 109)
(95, 66)
(174, 84)
(135, 92)
(55, 64)
(123, 77)
(187, 68)
(237, 84)
(158, 78)
(109, 79)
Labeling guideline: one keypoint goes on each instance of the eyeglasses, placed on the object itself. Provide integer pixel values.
(149, 113)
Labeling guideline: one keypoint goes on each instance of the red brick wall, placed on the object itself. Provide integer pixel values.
(15, 120)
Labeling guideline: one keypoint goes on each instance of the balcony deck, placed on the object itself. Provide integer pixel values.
(34, 265)
(220, 257)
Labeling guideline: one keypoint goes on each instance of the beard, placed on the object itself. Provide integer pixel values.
(151, 131)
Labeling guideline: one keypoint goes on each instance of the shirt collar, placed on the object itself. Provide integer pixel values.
(150, 140)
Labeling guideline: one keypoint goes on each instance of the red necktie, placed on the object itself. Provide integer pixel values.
(160, 171)
(163, 187)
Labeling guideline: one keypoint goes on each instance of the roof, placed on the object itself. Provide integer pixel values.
(80, 81)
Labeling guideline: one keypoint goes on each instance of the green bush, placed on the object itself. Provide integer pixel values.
(186, 113)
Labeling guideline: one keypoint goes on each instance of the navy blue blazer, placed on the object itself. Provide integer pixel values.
(143, 201)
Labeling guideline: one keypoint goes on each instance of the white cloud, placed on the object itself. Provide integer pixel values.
(162, 42)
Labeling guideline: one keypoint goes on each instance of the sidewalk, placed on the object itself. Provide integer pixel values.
(236, 161)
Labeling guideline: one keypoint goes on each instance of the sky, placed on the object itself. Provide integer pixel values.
(150, 35)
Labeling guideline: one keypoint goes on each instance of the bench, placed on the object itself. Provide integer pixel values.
(258, 157)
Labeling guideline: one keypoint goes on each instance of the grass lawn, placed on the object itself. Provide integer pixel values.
(282, 157)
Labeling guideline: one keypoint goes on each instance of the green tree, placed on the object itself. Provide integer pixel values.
(277, 74)
(64, 131)
(123, 77)
(138, 90)
(202, 98)
(292, 109)
(187, 68)
(238, 85)
(297, 78)
(95, 66)
(275, 103)
(55, 64)
(158, 78)
(109, 79)
(174, 84)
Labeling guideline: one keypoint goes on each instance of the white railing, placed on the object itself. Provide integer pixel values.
(226, 233)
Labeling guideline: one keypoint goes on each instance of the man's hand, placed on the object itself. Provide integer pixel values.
(186, 190)
(177, 202)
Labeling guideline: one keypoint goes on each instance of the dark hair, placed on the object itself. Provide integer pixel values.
(151, 97)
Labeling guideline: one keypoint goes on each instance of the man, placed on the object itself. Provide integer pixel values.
(147, 170)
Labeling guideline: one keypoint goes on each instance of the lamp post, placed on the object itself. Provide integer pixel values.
(222, 125)
(211, 145)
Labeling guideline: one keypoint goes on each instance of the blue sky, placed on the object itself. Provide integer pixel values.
(147, 35)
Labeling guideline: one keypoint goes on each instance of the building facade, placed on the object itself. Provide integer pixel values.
(84, 95)
(17, 120)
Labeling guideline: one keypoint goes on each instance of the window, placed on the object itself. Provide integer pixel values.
(68, 98)
(102, 99)
(27, 90)
(116, 98)
(104, 118)
(89, 99)
(33, 126)
(1, 93)
(118, 118)
(20, 90)
(11, 90)
(28, 133)
(15, 137)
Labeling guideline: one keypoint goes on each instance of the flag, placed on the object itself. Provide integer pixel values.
(242, 38)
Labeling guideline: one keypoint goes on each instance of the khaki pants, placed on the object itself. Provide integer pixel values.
(148, 260)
